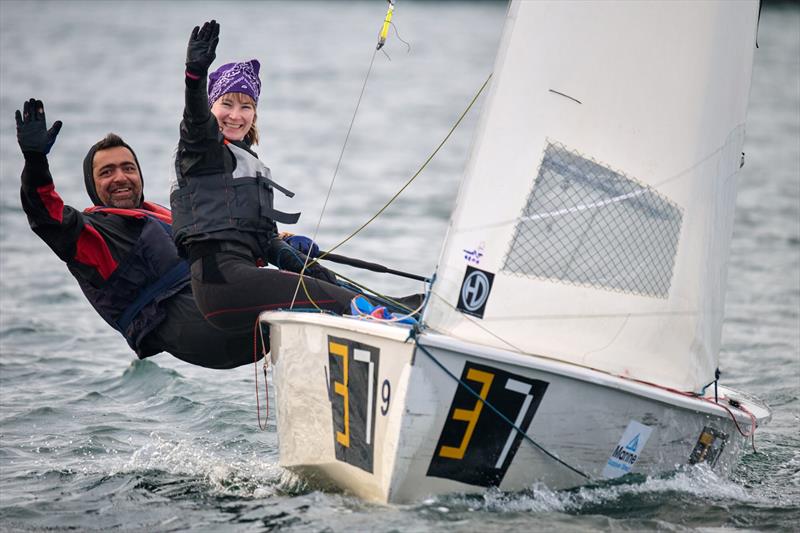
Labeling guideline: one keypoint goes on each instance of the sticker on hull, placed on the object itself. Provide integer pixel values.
(353, 383)
(628, 450)
(709, 446)
(476, 446)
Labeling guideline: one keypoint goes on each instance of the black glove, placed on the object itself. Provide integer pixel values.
(320, 272)
(283, 256)
(201, 51)
(32, 132)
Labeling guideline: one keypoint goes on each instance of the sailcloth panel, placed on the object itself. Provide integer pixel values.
(595, 215)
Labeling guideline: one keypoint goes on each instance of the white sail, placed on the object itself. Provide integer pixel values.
(594, 219)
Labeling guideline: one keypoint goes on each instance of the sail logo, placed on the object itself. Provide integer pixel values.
(628, 450)
(474, 256)
(477, 445)
(475, 290)
(352, 391)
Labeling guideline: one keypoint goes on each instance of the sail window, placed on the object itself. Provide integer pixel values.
(585, 224)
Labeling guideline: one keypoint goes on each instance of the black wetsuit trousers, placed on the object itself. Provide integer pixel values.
(231, 291)
(189, 337)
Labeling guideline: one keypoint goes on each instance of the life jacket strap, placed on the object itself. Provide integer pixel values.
(266, 209)
(275, 184)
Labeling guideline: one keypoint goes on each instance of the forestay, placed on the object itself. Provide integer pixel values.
(594, 219)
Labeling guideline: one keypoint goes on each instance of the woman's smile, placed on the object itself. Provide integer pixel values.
(235, 115)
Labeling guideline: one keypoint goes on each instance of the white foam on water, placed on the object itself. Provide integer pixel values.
(699, 482)
(245, 476)
(791, 469)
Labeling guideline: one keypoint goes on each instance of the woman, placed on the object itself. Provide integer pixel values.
(223, 215)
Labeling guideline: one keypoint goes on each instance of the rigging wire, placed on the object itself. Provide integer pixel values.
(474, 322)
(307, 263)
(333, 179)
(409, 181)
(381, 41)
(418, 172)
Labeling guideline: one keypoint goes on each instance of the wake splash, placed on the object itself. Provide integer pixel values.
(246, 475)
(687, 485)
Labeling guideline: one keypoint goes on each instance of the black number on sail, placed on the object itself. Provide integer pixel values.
(476, 446)
(354, 387)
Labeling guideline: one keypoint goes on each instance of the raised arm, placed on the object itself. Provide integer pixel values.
(200, 54)
(200, 139)
(58, 225)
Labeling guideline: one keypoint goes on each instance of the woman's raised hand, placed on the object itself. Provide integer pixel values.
(201, 51)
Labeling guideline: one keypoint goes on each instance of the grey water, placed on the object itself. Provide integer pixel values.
(92, 439)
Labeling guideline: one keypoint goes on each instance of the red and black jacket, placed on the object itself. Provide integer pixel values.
(125, 260)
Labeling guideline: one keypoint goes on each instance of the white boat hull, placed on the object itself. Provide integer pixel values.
(361, 407)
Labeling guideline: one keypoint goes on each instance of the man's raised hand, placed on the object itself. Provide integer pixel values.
(32, 132)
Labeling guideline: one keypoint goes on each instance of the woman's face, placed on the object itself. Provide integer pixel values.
(235, 115)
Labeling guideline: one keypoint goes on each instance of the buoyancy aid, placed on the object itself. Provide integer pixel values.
(235, 205)
(151, 272)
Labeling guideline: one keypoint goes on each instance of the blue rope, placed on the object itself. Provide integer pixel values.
(496, 411)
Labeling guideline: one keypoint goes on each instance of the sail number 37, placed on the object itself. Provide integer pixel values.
(476, 445)
(353, 394)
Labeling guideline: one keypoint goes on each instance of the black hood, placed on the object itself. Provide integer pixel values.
(88, 178)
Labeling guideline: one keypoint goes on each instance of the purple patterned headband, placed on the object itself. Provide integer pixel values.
(235, 78)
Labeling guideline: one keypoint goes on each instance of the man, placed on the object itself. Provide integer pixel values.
(121, 250)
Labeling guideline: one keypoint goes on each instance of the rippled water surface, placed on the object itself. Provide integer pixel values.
(91, 439)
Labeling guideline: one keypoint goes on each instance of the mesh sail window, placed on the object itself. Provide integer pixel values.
(585, 224)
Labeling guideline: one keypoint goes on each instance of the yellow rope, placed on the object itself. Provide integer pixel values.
(399, 192)
(305, 290)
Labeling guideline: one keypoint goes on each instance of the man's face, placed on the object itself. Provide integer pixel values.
(116, 178)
